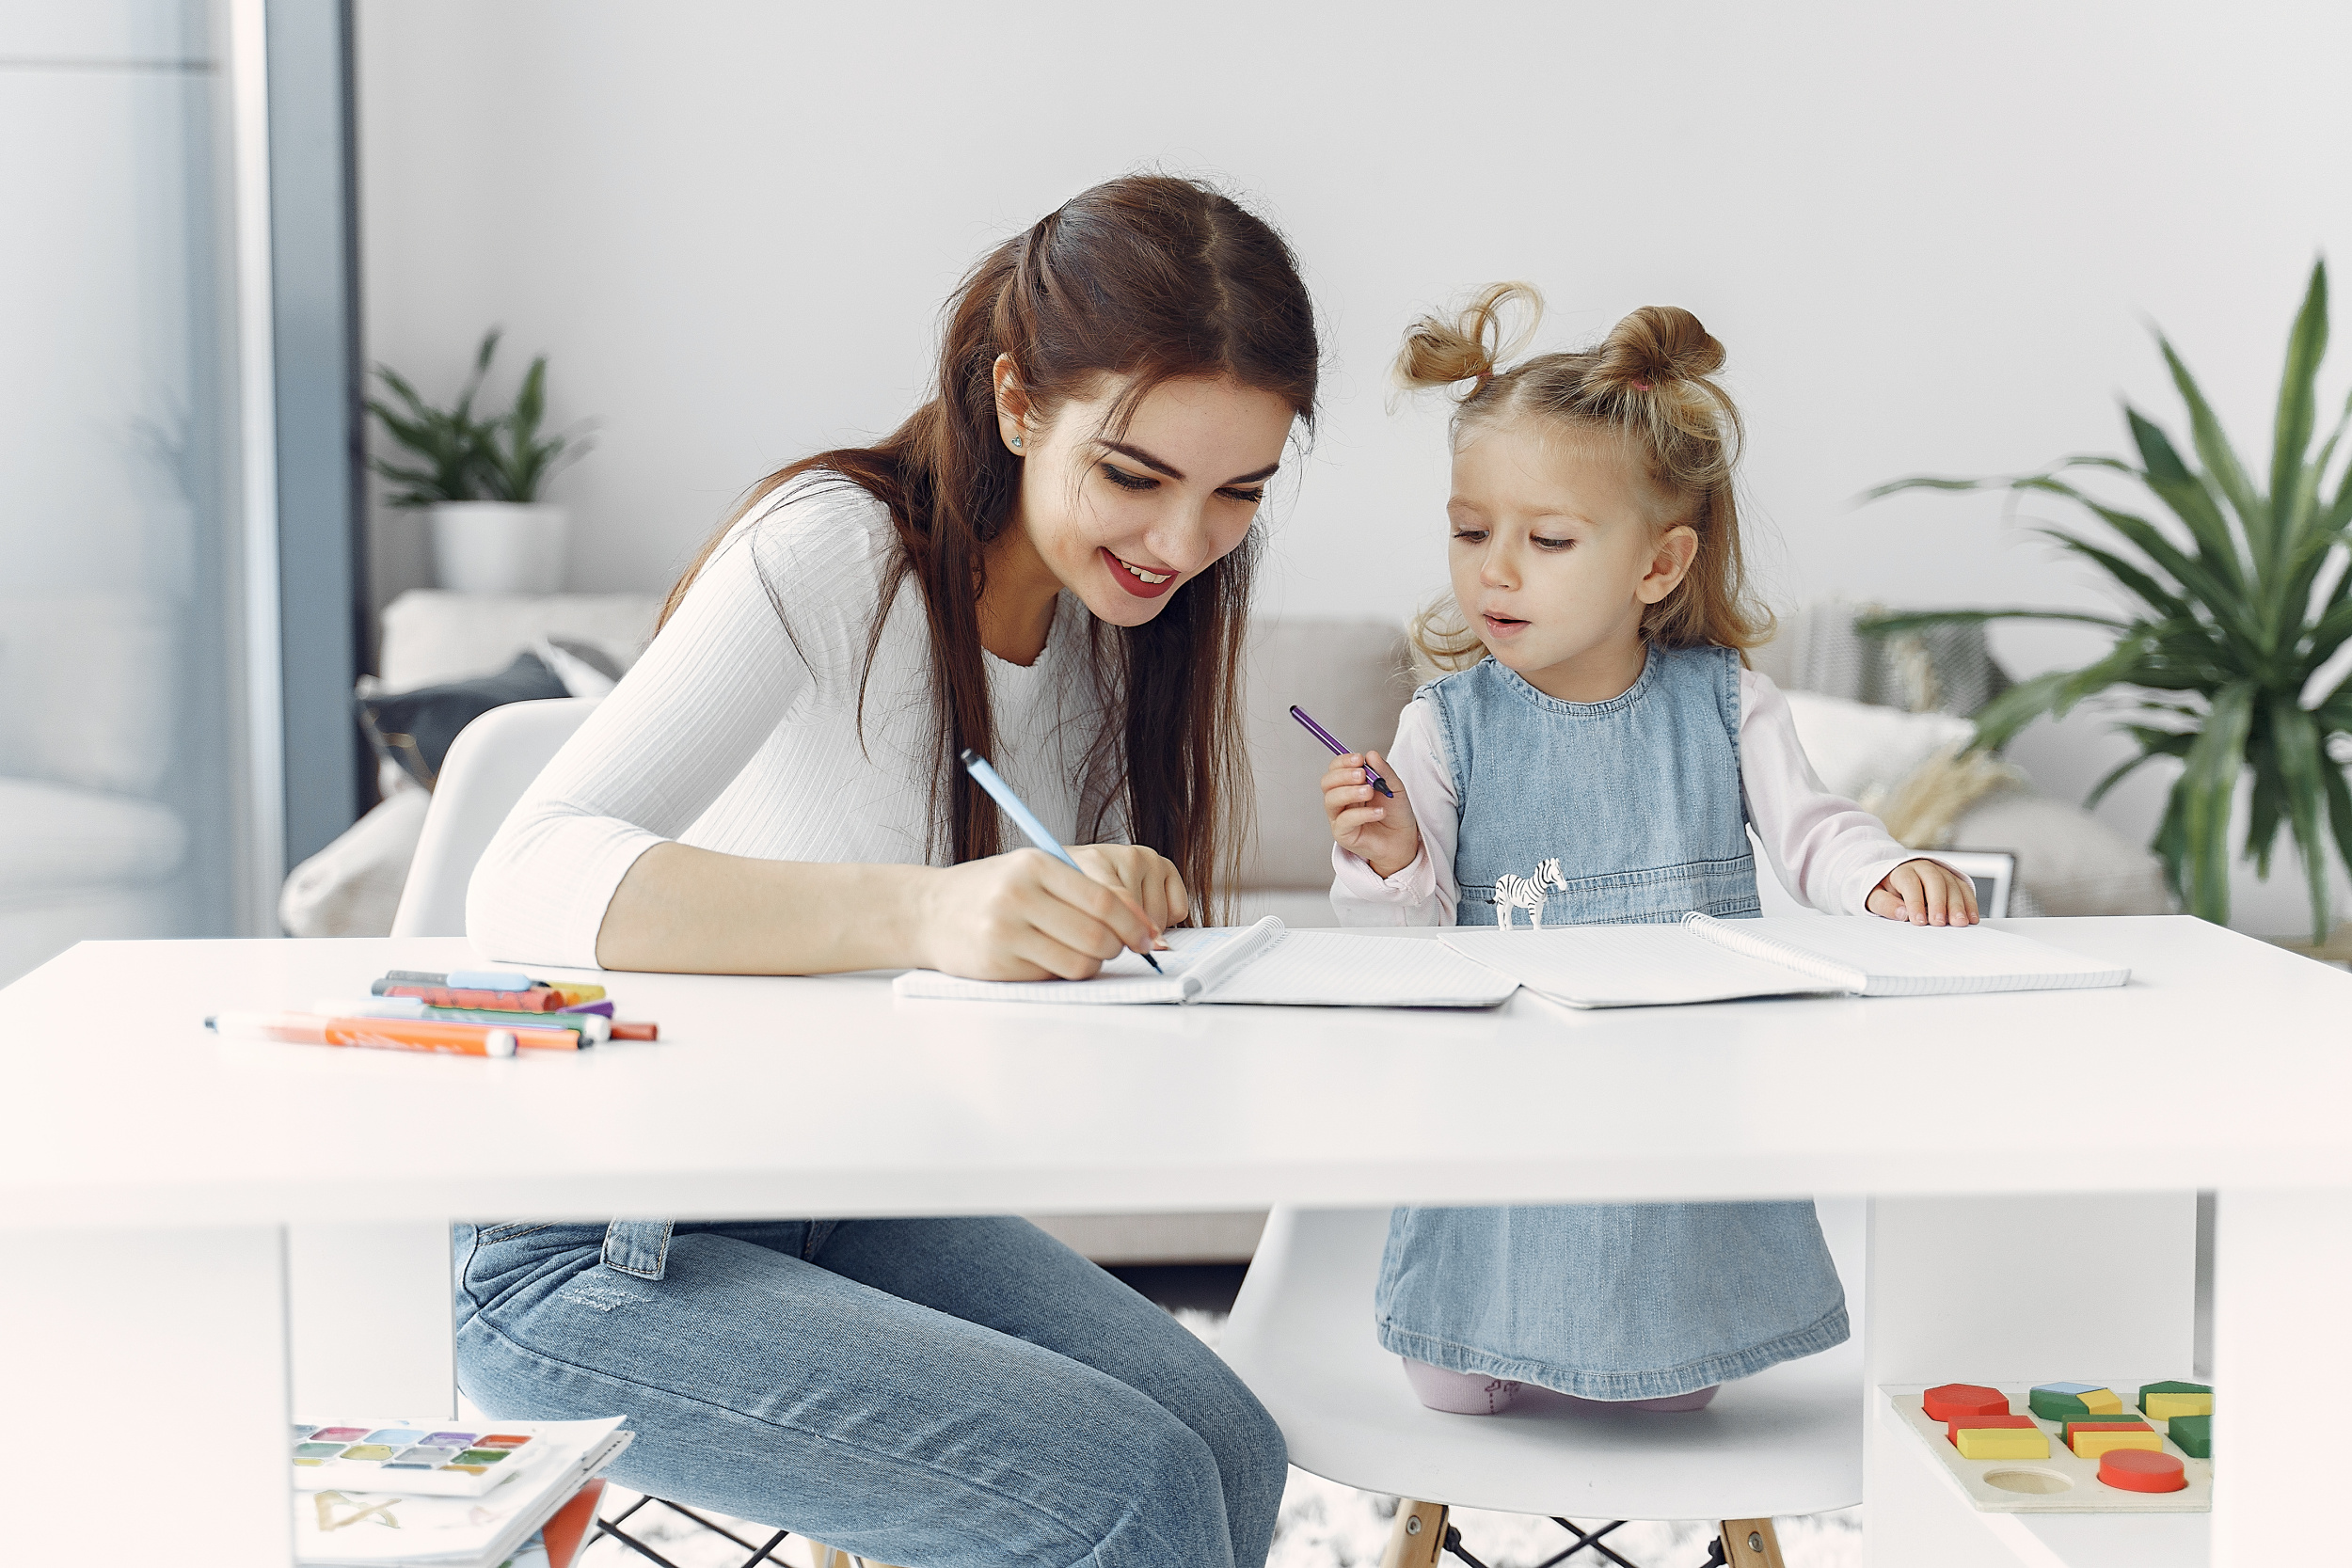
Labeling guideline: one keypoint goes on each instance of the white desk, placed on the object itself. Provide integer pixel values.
(148, 1173)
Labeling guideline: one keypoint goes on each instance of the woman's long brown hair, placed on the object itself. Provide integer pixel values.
(1147, 279)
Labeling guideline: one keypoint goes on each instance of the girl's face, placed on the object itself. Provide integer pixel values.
(1124, 519)
(1557, 548)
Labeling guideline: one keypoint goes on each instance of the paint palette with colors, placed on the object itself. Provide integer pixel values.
(424, 1458)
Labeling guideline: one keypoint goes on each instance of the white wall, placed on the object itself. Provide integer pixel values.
(1930, 237)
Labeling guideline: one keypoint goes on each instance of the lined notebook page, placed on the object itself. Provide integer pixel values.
(1632, 966)
(1262, 965)
(1889, 958)
(1307, 968)
(1196, 958)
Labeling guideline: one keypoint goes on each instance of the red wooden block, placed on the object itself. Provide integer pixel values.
(1955, 1399)
(1977, 1423)
(2139, 1470)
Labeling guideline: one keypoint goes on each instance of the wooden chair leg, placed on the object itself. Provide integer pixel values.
(1750, 1544)
(1417, 1537)
(822, 1556)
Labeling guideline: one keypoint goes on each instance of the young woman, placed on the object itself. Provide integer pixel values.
(1049, 563)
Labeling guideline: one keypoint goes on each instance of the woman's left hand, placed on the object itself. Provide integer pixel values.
(1146, 875)
(1925, 893)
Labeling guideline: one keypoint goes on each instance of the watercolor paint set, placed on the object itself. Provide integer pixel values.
(425, 1459)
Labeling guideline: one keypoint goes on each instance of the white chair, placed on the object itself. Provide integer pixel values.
(1786, 1441)
(489, 764)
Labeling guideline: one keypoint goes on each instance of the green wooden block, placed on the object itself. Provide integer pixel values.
(2148, 1388)
(2052, 1405)
(2191, 1434)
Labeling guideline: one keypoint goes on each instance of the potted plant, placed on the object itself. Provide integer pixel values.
(479, 479)
(2232, 606)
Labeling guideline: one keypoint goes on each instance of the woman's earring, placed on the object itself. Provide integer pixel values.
(1016, 443)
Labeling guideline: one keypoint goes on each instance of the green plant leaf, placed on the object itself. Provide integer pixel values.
(2210, 788)
(2339, 809)
(2221, 460)
(2302, 760)
(1912, 620)
(2150, 593)
(2307, 341)
(2192, 499)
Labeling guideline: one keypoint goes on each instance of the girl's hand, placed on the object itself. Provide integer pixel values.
(1025, 916)
(1925, 893)
(1365, 822)
(1149, 879)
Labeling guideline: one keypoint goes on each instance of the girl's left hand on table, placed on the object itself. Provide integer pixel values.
(1925, 893)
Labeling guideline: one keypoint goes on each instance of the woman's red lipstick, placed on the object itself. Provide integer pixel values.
(1134, 584)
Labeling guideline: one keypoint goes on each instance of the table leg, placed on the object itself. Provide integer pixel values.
(370, 1318)
(2281, 1312)
(181, 1332)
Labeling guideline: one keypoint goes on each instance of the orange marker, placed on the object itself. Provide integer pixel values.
(383, 1033)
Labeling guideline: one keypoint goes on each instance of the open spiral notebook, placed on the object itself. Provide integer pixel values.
(1265, 965)
(1700, 958)
(1697, 959)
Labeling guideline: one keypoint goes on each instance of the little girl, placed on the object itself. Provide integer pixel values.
(1599, 716)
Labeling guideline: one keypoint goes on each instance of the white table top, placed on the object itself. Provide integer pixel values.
(2225, 1062)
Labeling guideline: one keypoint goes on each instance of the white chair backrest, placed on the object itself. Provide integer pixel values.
(489, 764)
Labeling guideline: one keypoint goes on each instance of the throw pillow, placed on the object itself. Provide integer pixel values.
(415, 728)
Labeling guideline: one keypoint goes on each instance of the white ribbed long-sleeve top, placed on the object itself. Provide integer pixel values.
(739, 731)
(1825, 850)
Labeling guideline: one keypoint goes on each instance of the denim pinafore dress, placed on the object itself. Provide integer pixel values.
(1638, 801)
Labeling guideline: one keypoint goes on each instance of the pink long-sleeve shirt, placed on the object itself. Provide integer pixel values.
(1827, 851)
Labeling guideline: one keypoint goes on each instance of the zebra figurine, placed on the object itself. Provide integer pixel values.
(1515, 892)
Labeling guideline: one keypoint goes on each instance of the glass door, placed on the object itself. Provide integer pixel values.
(128, 775)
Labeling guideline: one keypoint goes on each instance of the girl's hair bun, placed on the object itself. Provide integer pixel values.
(1657, 346)
(1472, 345)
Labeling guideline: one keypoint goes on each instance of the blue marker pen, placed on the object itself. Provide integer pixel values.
(1025, 820)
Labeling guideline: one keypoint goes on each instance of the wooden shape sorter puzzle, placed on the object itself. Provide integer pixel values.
(2000, 1470)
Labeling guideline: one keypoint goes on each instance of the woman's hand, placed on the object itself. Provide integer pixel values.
(1026, 916)
(1365, 822)
(1925, 893)
(1149, 879)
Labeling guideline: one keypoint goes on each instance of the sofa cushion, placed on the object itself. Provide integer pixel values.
(1858, 747)
(415, 728)
(90, 691)
(2068, 860)
(432, 635)
(1354, 678)
(57, 839)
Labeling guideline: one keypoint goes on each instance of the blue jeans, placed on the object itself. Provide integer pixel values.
(942, 1393)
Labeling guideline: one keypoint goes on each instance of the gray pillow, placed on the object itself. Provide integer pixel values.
(415, 728)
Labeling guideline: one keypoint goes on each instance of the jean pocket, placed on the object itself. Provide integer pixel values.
(507, 1231)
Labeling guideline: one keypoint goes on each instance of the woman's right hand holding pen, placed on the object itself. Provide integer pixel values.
(1024, 915)
(1379, 830)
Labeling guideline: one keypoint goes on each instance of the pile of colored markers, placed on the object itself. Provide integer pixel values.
(469, 1012)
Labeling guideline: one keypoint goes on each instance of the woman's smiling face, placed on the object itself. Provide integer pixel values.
(1122, 518)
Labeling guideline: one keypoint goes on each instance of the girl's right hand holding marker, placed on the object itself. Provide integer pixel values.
(1379, 830)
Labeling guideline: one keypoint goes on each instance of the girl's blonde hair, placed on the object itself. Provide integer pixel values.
(1648, 385)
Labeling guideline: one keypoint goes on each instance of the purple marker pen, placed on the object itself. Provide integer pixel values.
(1339, 750)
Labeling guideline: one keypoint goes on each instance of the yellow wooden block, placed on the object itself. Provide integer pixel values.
(2102, 1402)
(2163, 1407)
(2004, 1443)
(2091, 1445)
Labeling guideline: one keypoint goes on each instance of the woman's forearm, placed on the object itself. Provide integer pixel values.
(689, 911)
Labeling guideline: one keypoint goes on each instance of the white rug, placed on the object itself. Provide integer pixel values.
(1328, 1526)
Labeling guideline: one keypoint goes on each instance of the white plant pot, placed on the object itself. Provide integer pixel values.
(501, 546)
